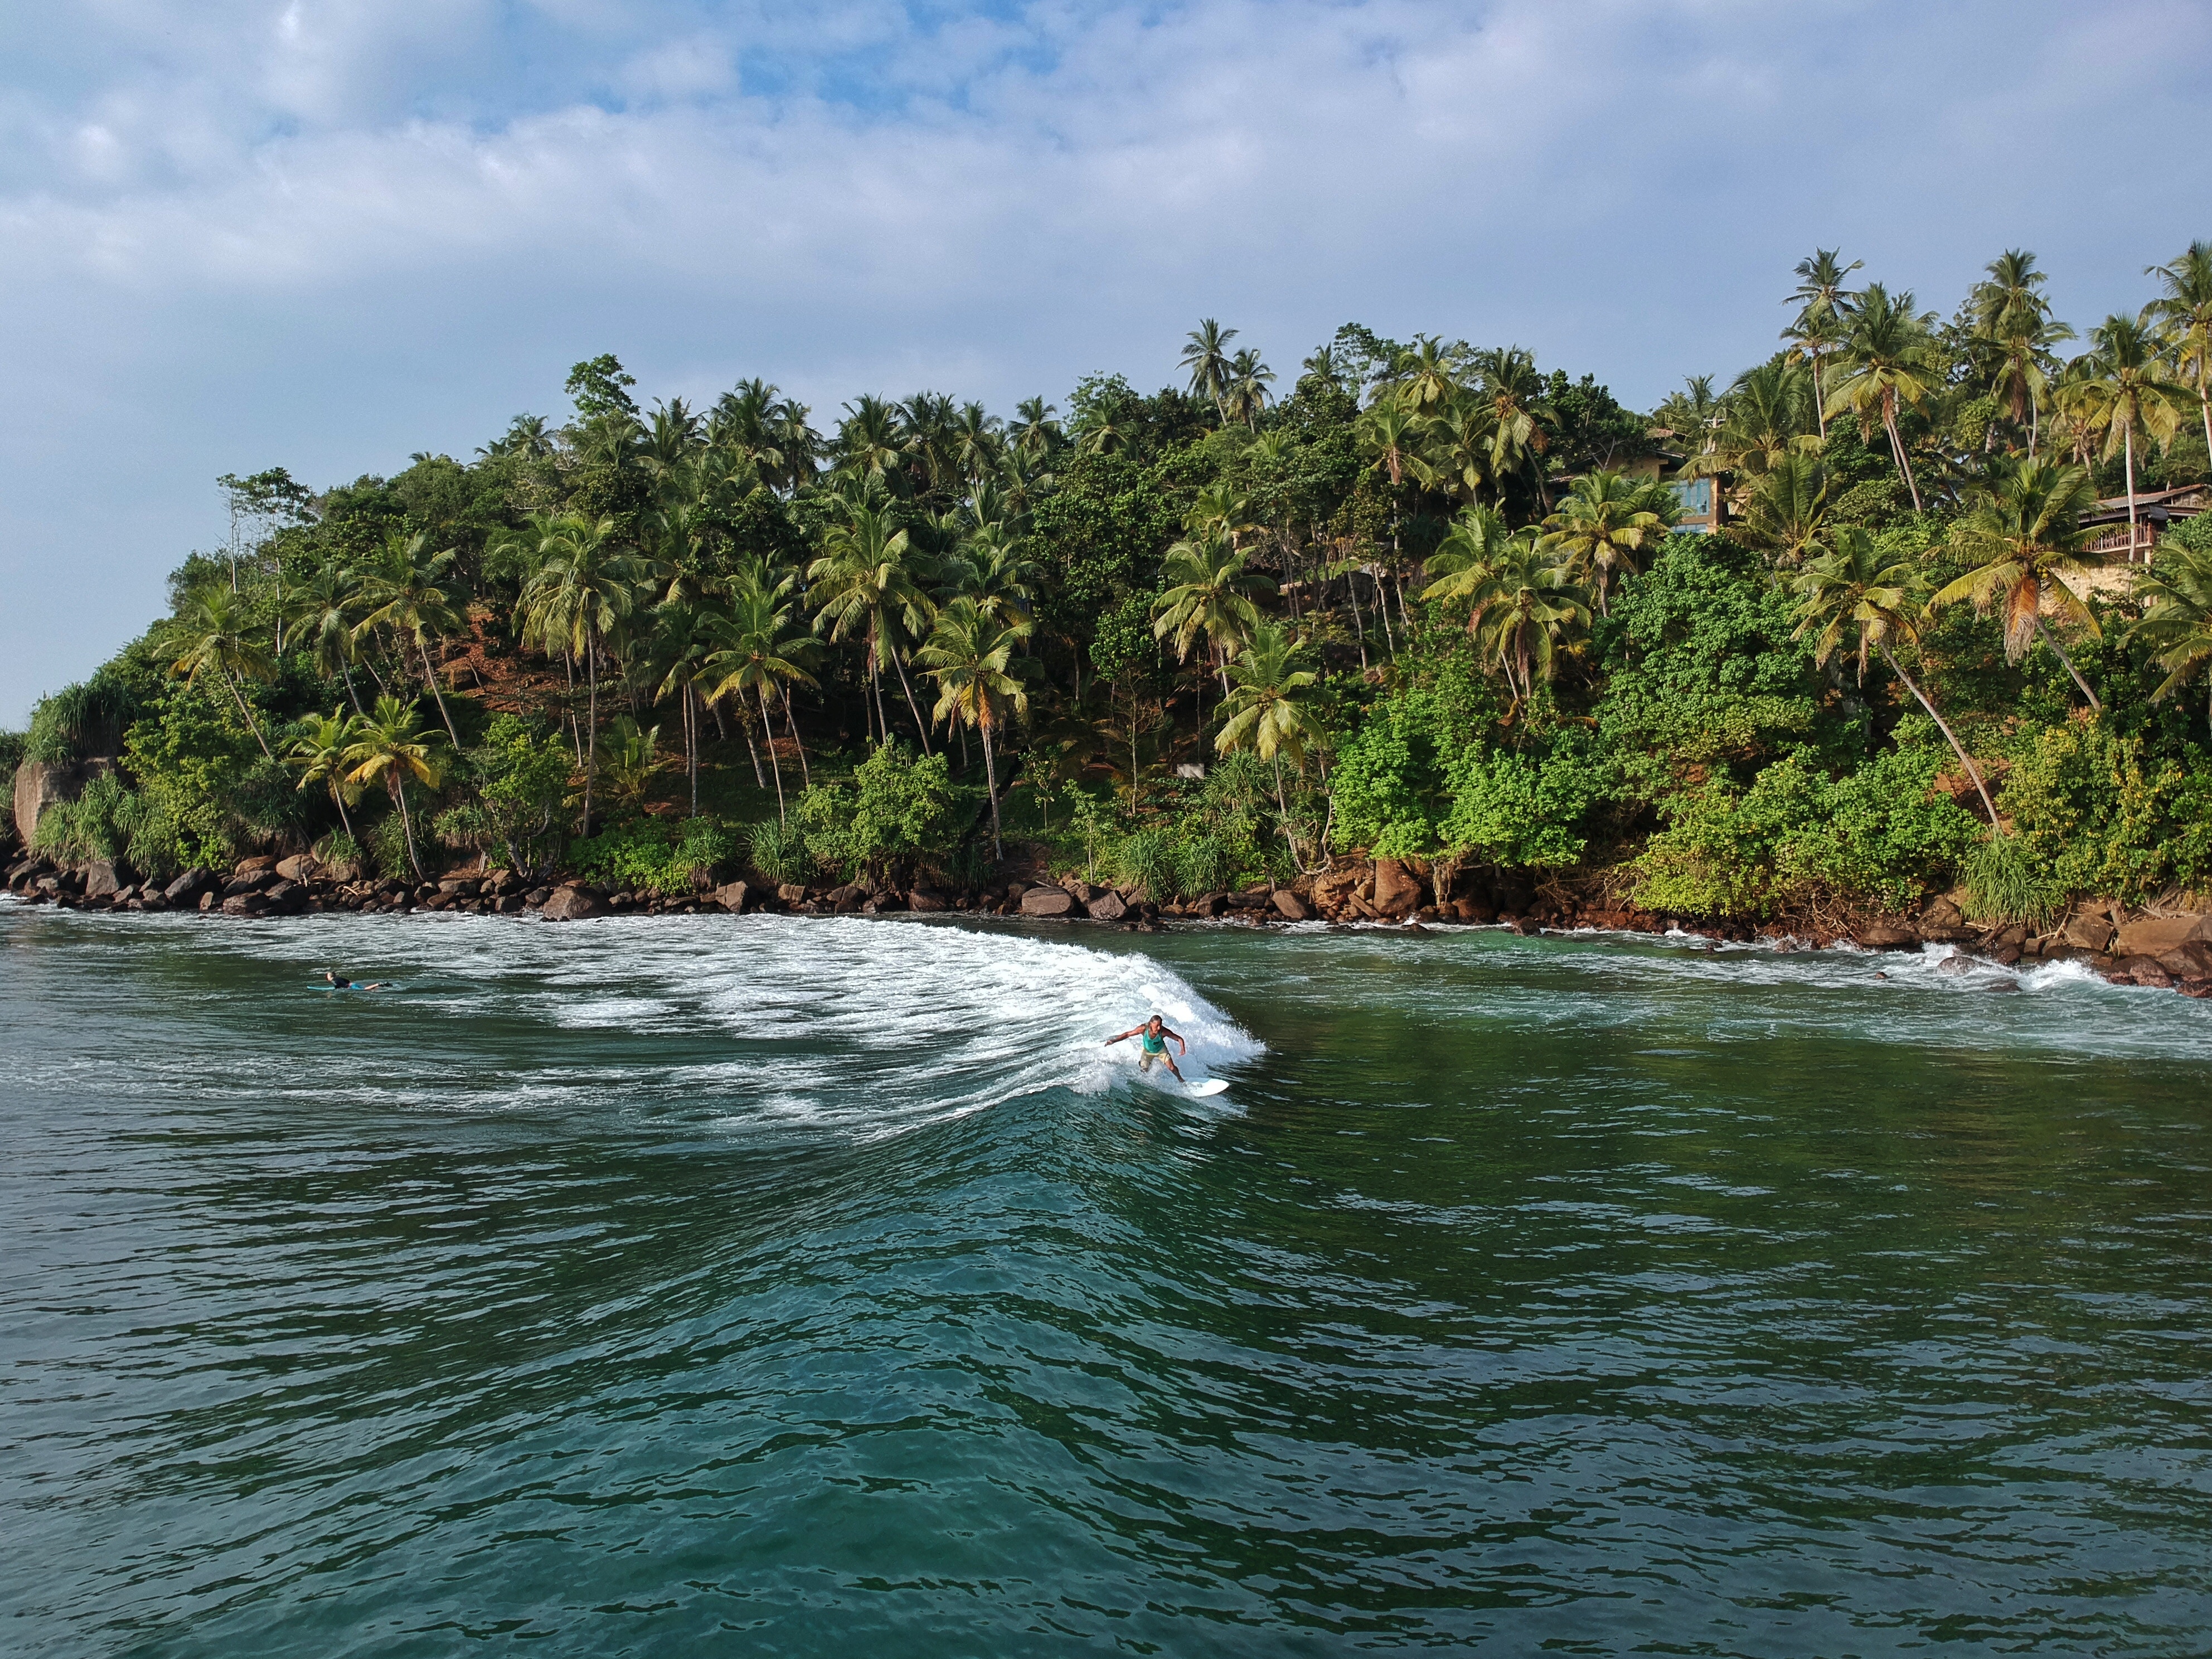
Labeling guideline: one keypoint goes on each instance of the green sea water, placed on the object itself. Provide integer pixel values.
(783, 1286)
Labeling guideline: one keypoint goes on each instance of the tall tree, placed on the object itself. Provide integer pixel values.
(390, 747)
(2023, 534)
(869, 581)
(320, 752)
(1604, 524)
(2013, 319)
(1522, 603)
(1855, 588)
(1211, 592)
(970, 655)
(1823, 306)
(1206, 354)
(322, 609)
(584, 589)
(1269, 708)
(2182, 317)
(1889, 361)
(2123, 390)
(217, 633)
(411, 590)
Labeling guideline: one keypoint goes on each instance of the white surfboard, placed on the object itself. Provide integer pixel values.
(1206, 1087)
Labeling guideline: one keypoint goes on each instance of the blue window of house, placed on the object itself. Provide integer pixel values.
(1696, 495)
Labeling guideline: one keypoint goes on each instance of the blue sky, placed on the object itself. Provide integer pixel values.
(327, 234)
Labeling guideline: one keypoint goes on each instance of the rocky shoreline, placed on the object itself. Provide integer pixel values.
(2169, 950)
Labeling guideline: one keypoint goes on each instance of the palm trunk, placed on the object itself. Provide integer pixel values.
(238, 697)
(767, 731)
(990, 776)
(791, 724)
(2060, 653)
(338, 799)
(691, 733)
(760, 778)
(591, 753)
(1951, 736)
(1358, 627)
(911, 708)
(345, 672)
(1897, 448)
(2128, 437)
(430, 678)
(407, 825)
(1820, 399)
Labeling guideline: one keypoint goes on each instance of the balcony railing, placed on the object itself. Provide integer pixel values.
(2126, 544)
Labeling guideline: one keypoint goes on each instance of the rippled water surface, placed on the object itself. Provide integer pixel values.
(817, 1287)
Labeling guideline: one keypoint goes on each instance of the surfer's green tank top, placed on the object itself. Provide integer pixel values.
(1155, 1045)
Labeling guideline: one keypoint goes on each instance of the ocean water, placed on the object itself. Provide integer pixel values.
(785, 1286)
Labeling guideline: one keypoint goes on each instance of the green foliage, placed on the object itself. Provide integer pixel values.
(385, 847)
(1705, 673)
(1877, 834)
(2006, 882)
(652, 856)
(522, 782)
(900, 812)
(778, 851)
(1522, 811)
(110, 821)
(1392, 783)
(1146, 858)
(2100, 817)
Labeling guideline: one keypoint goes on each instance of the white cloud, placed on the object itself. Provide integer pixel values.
(233, 238)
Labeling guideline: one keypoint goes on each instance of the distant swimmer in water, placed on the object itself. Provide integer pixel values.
(331, 978)
(1155, 1033)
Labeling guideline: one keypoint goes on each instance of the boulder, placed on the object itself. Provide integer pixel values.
(733, 895)
(1048, 901)
(251, 881)
(38, 785)
(286, 896)
(1474, 911)
(300, 867)
(573, 904)
(461, 886)
(2191, 959)
(1108, 906)
(254, 866)
(2087, 931)
(849, 898)
(2153, 936)
(1887, 936)
(245, 904)
(2146, 970)
(790, 892)
(104, 879)
(921, 898)
(1287, 906)
(1397, 893)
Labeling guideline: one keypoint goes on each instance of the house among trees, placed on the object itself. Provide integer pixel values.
(2116, 541)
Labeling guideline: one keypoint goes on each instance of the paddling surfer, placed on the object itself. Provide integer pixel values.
(331, 978)
(1155, 1033)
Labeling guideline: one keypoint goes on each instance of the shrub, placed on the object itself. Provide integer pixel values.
(778, 852)
(1146, 858)
(900, 811)
(1521, 810)
(649, 855)
(2100, 818)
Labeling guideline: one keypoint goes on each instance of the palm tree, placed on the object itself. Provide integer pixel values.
(970, 656)
(1603, 525)
(1038, 435)
(869, 581)
(1523, 602)
(2022, 535)
(2122, 388)
(758, 652)
(1521, 418)
(1766, 415)
(869, 440)
(388, 746)
(408, 589)
(2183, 316)
(1855, 587)
(1890, 360)
(1246, 395)
(321, 612)
(1824, 305)
(2012, 317)
(585, 587)
(2176, 622)
(320, 752)
(1458, 437)
(1787, 513)
(1206, 356)
(218, 636)
(992, 568)
(680, 641)
(1211, 593)
(1265, 709)
(1427, 374)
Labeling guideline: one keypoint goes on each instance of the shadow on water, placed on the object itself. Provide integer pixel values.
(641, 1288)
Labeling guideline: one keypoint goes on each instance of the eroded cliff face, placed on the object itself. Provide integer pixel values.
(41, 784)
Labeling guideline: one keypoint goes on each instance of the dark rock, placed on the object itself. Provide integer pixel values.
(462, 886)
(924, 900)
(573, 904)
(1476, 911)
(259, 864)
(300, 867)
(1212, 905)
(1108, 906)
(1887, 936)
(1397, 893)
(2191, 959)
(2195, 987)
(1414, 927)
(1287, 906)
(509, 904)
(2005, 955)
(732, 896)
(104, 879)
(2153, 936)
(2088, 931)
(1955, 963)
(2146, 970)
(790, 893)
(2001, 985)
(286, 896)
(245, 904)
(1048, 901)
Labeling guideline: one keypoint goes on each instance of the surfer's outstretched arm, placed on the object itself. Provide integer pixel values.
(1181, 1045)
(1124, 1037)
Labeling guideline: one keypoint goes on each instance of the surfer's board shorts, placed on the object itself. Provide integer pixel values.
(1145, 1057)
